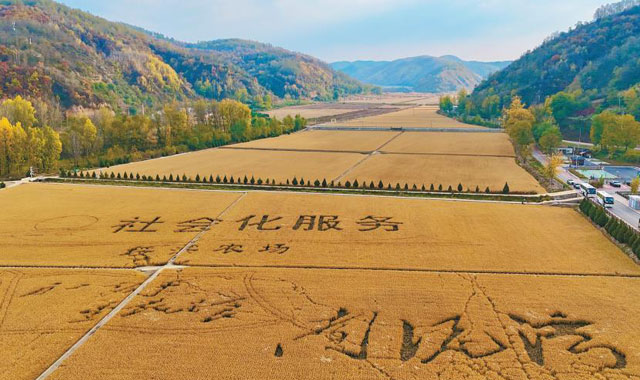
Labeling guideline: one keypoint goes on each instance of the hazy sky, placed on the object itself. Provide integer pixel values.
(359, 29)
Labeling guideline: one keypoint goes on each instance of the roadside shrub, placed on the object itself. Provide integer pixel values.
(197, 177)
(347, 184)
(316, 183)
(252, 180)
(380, 185)
(460, 187)
(450, 189)
(356, 184)
(602, 219)
(505, 189)
(260, 181)
(158, 177)
(2, 185)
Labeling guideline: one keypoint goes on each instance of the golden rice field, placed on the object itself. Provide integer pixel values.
(447, 171)
(309, 112)
(95, 226)
(439, 158)
(332, 324)
(277, 165)
(324, 141)
(416, 117)
(43, 312)
(393, 98)
(328, 231)
(311, 286)
(447, 143)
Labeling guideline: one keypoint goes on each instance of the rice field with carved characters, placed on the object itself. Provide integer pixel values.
(168, 283)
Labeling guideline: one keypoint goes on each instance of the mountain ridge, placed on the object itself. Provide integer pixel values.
(423, 73)
(48, 50)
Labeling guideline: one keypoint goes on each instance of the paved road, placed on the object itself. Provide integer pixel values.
(621, 207)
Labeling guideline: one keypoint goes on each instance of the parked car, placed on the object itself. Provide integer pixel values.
(615, 184)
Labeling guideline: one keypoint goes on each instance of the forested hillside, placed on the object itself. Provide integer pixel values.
(421, 74)
(595, 61)
(580, 85)
(70, 58)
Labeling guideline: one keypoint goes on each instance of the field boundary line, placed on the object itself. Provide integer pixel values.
(406, 129)
(349, 170)
(329, 192)
(419, 270)
(379, 150)
(53, 367)
(295, 150)
(447, 154)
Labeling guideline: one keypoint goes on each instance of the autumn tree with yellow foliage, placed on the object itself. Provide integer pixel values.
(518, 122)
(22, 143)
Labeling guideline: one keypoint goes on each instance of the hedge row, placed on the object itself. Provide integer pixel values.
(294, 182)
(618, 229)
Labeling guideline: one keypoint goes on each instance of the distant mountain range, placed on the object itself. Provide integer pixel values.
(421, 74)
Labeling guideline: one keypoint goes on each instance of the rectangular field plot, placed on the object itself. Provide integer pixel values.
(332, 324)
(328, 231)
(324, 141)
(276, 165)
(93, 226)
(492, 172)
(418, 117)
(312, 111)
(44, 312)
(479, 144)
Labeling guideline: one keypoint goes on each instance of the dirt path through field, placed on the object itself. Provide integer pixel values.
(132, 295)
(377, 151)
